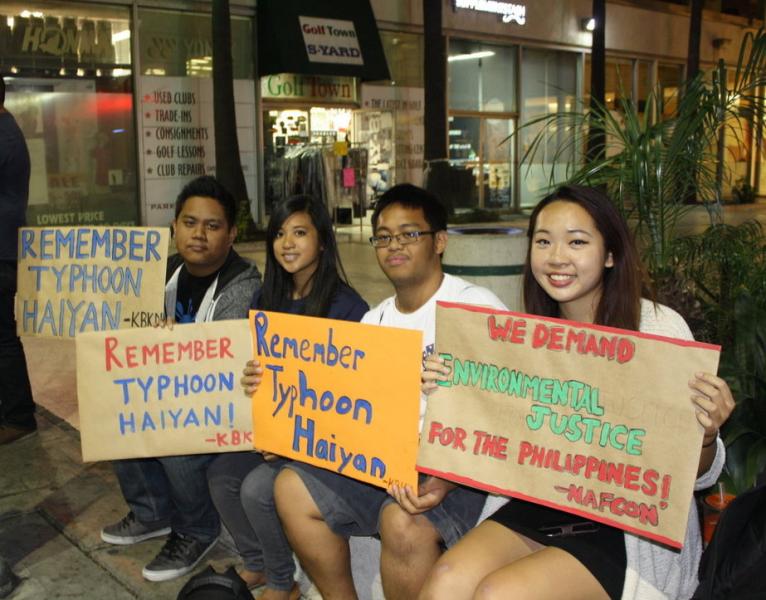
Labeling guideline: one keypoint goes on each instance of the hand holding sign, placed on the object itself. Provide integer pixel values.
(586, 419)
(434, 371)
(252, 375)
(430, 493)
(714, 401)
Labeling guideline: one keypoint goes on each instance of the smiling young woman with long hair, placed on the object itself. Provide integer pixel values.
(582, 265)
(303, 276)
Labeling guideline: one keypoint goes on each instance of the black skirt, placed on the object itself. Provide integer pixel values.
(600, 548)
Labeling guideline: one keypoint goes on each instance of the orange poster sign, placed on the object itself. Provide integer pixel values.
(586, 419)
(339, 395)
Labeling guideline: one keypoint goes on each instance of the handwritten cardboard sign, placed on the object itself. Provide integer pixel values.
(339, 395)
(77, 279)
(590, 420)
(155, 392)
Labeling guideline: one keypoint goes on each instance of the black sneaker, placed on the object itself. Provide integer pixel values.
(130, 530)
(178, 556)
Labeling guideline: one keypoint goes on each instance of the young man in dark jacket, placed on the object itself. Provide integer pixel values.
(206, 281)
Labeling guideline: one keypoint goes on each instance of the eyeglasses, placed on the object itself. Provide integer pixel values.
(404, 238)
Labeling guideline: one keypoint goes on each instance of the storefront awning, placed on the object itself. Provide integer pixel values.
(320, 37)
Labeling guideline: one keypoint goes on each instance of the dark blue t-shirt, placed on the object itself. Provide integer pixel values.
(347, 305)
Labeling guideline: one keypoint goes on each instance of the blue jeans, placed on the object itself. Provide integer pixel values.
(16, 404)
(242, 486)
(170, 490)
(225, 477)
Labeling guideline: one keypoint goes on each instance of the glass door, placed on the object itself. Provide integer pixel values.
(481, 158)
(497, 160)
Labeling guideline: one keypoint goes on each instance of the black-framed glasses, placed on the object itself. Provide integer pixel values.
(404, 238)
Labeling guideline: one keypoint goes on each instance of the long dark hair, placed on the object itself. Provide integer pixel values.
(620, 303)
(277, 290)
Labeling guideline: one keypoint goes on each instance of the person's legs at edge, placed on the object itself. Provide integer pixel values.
(493, 562)
(257, 499)
(481, 551)
(324, 554)
(410, 545)
(225, 476)
(530, 577)
(17, 408)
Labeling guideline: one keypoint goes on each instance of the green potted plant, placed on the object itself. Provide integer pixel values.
(653, 164)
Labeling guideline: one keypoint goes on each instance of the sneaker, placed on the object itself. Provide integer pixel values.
(178, 557)
(12, 433)
(130, 530)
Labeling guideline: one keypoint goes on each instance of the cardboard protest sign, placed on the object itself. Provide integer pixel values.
(76, 279)
(339, 395)
(590, 420)
(156, 392)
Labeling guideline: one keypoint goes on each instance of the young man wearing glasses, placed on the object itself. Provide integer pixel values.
(321, 509)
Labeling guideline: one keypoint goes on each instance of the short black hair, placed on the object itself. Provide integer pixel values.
(2, 91)
(209, 187)
(412, 196)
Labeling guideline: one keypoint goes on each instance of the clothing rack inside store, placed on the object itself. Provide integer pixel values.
(314, 168)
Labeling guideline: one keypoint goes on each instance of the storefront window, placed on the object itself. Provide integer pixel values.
(404, 55)
(761, 181)
(736, 146)
(70, 90)
(481, 157)
(481, 77)
(549, 85)
(618, 88)
(464, 155)
(308, 120)
(180, 44)
(60, 38)
(643, 84)
(497, 157)
(618, 82)
(309, 151)
(670, 78)
(176, 113)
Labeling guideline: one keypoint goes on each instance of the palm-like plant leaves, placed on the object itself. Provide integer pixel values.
(654, 165)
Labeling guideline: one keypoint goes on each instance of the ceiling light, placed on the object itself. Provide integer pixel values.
(471, 56)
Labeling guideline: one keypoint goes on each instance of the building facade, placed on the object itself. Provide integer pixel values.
(115, 99)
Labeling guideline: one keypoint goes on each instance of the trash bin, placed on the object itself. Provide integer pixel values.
(492, 257)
